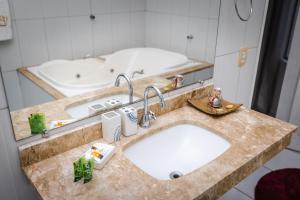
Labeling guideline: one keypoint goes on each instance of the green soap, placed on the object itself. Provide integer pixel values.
(88, 170)
(79, 169)
(37, 123)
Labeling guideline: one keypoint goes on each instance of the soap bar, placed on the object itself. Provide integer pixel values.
(101, 153)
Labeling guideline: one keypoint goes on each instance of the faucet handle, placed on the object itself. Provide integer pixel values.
(152, 115)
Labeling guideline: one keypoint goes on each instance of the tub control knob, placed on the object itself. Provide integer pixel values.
(190, 37)
(92, 17)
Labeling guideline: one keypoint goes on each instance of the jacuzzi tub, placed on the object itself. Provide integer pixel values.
(73, 77)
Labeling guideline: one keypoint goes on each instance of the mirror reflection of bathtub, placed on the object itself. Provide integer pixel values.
(80, 76)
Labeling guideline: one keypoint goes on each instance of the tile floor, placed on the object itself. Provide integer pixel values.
(245, 189)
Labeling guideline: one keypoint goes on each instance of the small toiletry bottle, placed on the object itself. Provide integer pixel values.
(129, 120)
(111, 126)
(37, 123)
(178, 81)
(215, 98)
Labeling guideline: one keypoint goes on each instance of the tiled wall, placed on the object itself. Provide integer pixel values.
(53, 29)
(13, 184)
(62, 29)
(168, 22)
(237, 82)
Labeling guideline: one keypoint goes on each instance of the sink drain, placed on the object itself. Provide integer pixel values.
(175, 174)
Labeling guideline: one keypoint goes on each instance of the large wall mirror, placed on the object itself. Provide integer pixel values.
(62, 63)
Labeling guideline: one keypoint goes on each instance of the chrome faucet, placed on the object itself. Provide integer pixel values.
(137, 72)
(148, 114)
(130, 88)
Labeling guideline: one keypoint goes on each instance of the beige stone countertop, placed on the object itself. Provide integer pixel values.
(254, 137)
(55, 110)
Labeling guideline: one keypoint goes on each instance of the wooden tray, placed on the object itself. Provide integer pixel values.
(204, 106)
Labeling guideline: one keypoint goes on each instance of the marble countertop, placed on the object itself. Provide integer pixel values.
(255, 138)
(55, 110)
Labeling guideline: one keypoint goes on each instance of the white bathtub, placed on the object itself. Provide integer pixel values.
(72, 77)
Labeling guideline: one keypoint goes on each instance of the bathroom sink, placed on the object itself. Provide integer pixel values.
(176, 151)
(82, 110)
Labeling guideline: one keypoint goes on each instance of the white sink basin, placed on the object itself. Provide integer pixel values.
(181, 148)
(81, 110)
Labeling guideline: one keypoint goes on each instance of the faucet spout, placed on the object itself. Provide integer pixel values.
(130, 88)
(148, 114)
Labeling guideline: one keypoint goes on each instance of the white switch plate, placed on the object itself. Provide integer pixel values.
(243, 54)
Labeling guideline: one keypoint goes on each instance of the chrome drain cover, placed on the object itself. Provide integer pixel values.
(175, 174)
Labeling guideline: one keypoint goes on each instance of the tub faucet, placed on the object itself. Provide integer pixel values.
(148, 114)
(130, 88)
(137, 72)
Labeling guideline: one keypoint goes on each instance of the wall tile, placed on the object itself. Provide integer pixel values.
(120, 5)
(55, 8)
(234, 34)
(81, 35)
(196, 47)
(226, 74)
(214, 9)
(158, 30)
(102, 34)
(59, 42)
(253, 28)
(160, 34)
(211, 42)
(231, 30)
(13, 90)
(23, 189)
(3, 103)
(295, 141)
(7, 187)
(121, 31)
(200, 8)
(10, 57)
(78, 7)
(164, 6)
(32, 94)
(246, 78)
(28, 9)
(180, 7)
(151, 5)
(11, 8)
(150, 27)
(138, 29)
(101, 6)
(138, 5)
(179, 32)
(295, 114)
(32, 39)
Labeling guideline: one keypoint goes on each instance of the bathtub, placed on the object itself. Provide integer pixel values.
(72, 77)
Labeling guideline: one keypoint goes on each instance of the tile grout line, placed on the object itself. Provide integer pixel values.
(243, 192)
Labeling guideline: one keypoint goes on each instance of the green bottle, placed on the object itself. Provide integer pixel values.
(37, 123)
